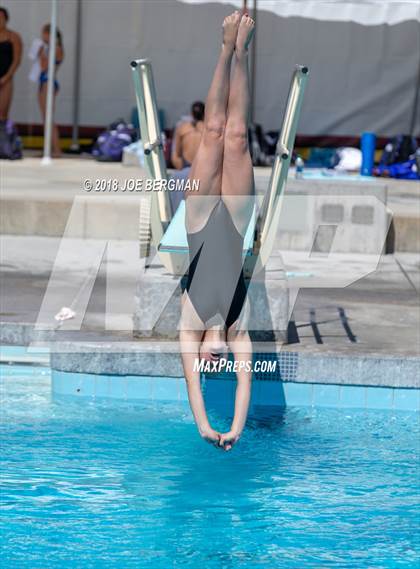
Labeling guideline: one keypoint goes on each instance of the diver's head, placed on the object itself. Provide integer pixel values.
(213, 345)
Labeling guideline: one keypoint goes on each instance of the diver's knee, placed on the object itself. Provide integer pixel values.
(214, 129)
(236, 138)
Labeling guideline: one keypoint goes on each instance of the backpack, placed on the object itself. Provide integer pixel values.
(405, 170)
(257, 146)
(10, 143)
(398, 149)
(110, 143)
(408, 170)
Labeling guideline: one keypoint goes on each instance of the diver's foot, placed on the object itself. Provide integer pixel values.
(245, 33)
(230, 30)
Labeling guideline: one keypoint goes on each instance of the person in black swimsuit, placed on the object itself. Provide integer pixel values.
(10, 57)
(214, 303)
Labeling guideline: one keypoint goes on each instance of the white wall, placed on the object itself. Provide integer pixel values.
(27, 18)
(110, 39)
(361, 77)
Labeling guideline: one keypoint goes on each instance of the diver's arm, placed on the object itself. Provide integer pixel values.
(241, 347)
(242, 398)
(195, 396)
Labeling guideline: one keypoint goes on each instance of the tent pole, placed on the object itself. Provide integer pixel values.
(50, 85)
(416, 102)
(76, 79)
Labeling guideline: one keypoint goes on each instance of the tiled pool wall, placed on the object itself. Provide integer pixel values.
(298, 380)
(298, 367)
(220, 392)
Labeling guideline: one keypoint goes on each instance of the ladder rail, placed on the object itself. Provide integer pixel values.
(155, 210)
(270, 210)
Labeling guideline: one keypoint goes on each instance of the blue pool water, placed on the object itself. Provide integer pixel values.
(132, 486)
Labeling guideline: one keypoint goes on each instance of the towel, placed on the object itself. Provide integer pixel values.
(35, 70)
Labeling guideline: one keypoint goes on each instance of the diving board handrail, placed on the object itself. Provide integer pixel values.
(270, 209)
(145, 92)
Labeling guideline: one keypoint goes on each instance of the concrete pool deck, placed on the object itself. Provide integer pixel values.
(367, 332)
(37, 200)
(377, 343)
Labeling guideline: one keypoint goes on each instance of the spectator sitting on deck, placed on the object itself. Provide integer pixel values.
(187, 137)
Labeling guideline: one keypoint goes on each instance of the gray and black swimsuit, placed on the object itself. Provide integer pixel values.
(215, 282)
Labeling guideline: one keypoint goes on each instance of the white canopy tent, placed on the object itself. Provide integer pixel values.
(385, 55)
(364, 12)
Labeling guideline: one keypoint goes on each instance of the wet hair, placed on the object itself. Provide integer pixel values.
(59, 35)
(5, 13)
(197, 111)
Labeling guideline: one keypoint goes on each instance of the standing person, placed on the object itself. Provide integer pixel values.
(10, 57)
(43, 80)
(187, 137)
(214, 303)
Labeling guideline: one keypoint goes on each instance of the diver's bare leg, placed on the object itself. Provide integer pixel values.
(208, 162)
(238, 175)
